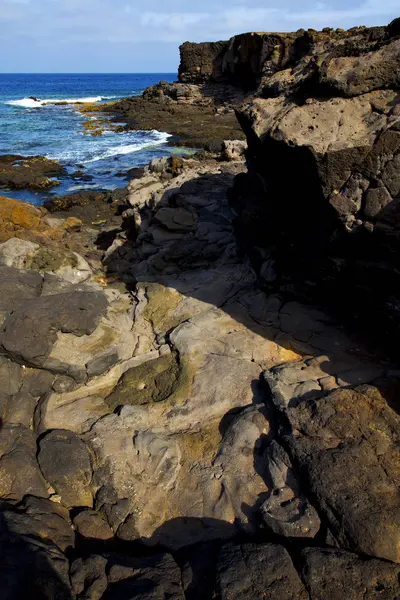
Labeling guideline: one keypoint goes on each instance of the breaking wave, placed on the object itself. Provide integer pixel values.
(32, 103)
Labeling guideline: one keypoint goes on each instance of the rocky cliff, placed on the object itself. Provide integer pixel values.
(319, 207)
(249, 59)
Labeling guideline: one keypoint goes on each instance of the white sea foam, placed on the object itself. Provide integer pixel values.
(155, 138)
(30, 103)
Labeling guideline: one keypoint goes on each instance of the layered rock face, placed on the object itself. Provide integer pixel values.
(319, 207)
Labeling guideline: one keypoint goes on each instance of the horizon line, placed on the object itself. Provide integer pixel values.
(88, 72)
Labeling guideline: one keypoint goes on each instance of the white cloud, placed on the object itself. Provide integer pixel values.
(125, 21)
(172, 21)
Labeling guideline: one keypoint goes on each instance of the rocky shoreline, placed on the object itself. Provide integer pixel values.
(184, 415)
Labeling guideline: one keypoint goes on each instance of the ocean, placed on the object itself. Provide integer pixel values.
(29, 128)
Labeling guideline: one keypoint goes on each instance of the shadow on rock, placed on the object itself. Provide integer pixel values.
(31, 568)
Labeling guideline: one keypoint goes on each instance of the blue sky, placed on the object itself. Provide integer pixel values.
(144, 35)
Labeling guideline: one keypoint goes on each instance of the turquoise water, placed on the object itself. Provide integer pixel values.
(30, 128)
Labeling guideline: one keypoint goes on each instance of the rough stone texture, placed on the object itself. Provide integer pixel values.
(332, 122)
(91, 525)
(376, 70)
(30, 332)
(113, 576)
(19, 471)
(331, 573)
(260, 571)
(146, 415)
(65, 462)
(33, 172)
(345, 431)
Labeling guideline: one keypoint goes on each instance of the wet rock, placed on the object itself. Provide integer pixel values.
(65, 462)
(33, 172)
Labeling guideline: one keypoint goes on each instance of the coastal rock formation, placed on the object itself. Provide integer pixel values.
(176, 420)
(332, 121)
(32, 173)
(184, 411)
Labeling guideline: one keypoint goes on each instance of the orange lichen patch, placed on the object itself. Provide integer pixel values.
(25, 221)
(22, 216)
(18, 214)
(72, 224)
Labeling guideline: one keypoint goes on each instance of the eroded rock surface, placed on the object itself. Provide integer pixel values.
(176, 423)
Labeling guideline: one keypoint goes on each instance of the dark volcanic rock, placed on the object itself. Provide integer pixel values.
(253, 572)
(351, 432)
(30, 332)
(41, 519)
(19, 472)
(91, 525)
(112, 576)
(334, 574)
(332, 227)
(32, 563)
(191, 125)
(33, 172)
(65, 462)
(201, 62)
(16, 287)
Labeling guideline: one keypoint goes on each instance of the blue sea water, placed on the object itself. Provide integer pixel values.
(40, 128)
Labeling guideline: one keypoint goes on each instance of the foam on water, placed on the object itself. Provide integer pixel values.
(31, 103)
(48, 128)
(154, 138)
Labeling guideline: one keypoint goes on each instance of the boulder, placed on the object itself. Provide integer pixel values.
(30, 332)
(90, 524)
(350, 431)
(332, 573)
(66, 464)
(111, 575)
(251, 571)
(19, 472)
(32, 540)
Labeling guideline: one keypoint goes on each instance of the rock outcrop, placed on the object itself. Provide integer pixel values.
(32, 172)
(330, 229)
(170, 428)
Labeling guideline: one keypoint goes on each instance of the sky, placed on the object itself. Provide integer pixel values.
(138, 36)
